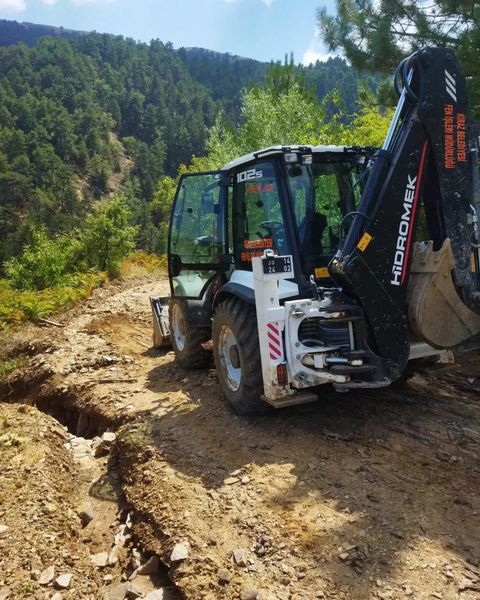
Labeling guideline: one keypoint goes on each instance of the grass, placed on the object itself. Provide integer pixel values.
(18, 306)
(142, 263)
(11, 364)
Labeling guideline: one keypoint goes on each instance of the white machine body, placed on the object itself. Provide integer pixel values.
(288, 365)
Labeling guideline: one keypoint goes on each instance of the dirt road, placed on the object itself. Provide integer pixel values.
(362, 495)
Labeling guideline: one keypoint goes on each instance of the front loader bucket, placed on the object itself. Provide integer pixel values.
(161, 324)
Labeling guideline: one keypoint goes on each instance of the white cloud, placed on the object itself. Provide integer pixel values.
(13, 5)
(81, 2)
(266, 2)
(315, 51)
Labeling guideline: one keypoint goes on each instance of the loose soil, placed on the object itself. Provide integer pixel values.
(358, 496)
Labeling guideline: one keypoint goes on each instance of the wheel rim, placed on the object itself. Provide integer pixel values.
(230, 358)
(178, 326)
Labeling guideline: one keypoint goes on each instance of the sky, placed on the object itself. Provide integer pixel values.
(261, 29)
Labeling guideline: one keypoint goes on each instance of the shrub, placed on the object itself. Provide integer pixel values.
(43, 263)
(17, 306)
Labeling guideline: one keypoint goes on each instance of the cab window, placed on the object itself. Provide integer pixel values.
(258, 214)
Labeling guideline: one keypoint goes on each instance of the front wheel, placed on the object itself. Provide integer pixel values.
(187, 341)
(237, 356)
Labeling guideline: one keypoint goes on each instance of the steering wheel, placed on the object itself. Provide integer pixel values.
(271, 224)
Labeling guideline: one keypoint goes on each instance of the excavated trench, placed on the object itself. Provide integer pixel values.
(134, 570)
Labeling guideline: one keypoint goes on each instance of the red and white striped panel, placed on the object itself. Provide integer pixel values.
(274, 341)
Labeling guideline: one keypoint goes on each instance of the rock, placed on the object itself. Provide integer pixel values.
(231, 480)
(249, 593)
(57, 596)
(133, 591)
(465, 584)
(151, 566)
(108, 579)
(344, 555)
(108, 437)
(300, 575)
(180, 552)
(86, 513)
(240, 557)
(118, 592)
(5, 592)
(136, 557)
(100, 560)
(155, 595)
(112, 557)
(105, 445)
(47, 575)
(63, 582)
(3, 530)
(224, 576)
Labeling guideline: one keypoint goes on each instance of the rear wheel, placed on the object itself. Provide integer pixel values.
(237, 356)
(187, 341)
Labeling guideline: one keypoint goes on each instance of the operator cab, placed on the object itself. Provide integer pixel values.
(292, 200)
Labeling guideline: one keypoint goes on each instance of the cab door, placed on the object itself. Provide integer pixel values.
(259, 215)
(197, 235)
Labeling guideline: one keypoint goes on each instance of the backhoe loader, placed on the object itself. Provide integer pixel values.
(310, 265)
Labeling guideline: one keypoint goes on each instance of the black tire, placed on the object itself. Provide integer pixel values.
(236, 318)
(402, 382)
(187, 341)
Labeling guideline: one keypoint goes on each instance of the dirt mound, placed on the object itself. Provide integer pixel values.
(37, 500)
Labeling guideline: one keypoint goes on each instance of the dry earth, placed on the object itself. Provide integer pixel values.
(358, 496)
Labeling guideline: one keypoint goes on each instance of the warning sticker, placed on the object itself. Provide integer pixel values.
(363, 243)
(264, 243)
(455, 137)
(247, 256)
(258, 188)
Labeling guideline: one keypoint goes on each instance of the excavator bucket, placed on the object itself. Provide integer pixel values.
(436, 313)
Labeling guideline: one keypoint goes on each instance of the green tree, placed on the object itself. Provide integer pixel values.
(377, 35)
(161, 205)
(108, 235)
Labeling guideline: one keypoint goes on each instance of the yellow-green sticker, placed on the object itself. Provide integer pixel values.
(321, 272)
(363, 243)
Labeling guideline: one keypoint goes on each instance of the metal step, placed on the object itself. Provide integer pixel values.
(294, 399)
(351, 369)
